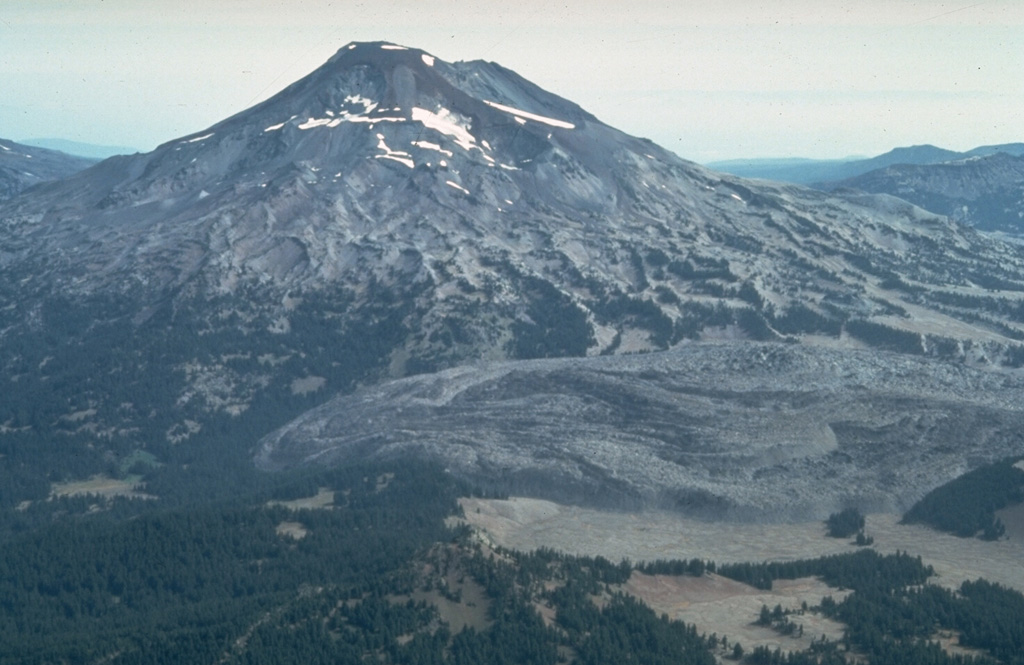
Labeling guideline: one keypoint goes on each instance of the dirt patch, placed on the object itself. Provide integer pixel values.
(293, 530)
(79, 416)
(716, 604)
(183, 431)
(460, 600)
(469, 611)
(322, 500)
(547, 613)
(309, 384)
(102, 486)
(383, 480)
(272, 360)
(950, 643)
(526, 524)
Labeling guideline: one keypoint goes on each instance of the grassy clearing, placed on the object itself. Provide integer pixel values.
(104, 486)
(293, 530)
(719, 605)
(309, 384)
(322, 500)
(460, 601)
(1013, 519)
(526, 524)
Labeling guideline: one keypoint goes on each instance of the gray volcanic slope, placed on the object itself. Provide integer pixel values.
(392, 214)
(741, 431)
(986, 192)
(23, 166)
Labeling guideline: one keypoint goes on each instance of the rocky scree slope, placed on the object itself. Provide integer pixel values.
(392, 214)
(731, 430)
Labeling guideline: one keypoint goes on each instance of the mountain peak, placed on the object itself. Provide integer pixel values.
(400, 104)
(382, 51)
(391, 165)
(390, 214)
(408, 77)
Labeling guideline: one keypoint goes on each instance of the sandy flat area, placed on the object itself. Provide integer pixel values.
(715, 604)
(527, 524)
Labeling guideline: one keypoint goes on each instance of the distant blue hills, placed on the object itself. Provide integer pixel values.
(80, 149)
(814, 171)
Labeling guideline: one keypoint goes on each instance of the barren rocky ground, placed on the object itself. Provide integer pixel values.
(736, 431)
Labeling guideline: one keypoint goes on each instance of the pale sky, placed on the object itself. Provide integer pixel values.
(707, 79)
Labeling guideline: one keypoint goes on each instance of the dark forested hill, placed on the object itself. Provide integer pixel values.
(357, 566)
(966, 506)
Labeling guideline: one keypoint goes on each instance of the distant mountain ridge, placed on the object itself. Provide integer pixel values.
(22, 166)
(985, 191)
(80, 149)
(814, 172)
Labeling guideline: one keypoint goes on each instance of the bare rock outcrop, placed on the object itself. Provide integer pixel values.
(743, 431)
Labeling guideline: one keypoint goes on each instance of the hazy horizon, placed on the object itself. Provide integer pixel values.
(709, 80)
